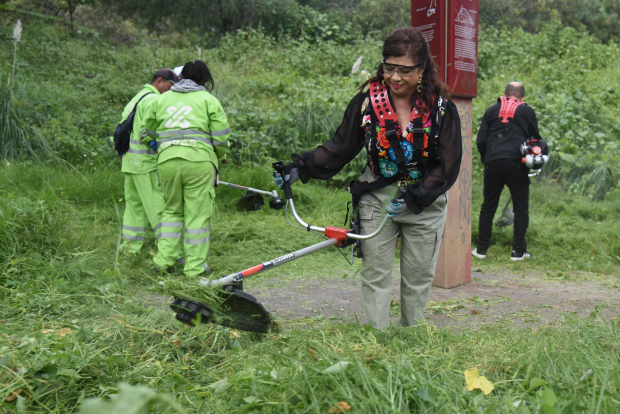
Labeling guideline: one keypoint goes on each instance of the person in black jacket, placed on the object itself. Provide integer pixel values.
(504, 127)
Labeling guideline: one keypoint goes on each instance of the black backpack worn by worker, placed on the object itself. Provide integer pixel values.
(122, 133)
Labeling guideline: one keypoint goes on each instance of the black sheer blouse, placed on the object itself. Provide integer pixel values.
(328, 159)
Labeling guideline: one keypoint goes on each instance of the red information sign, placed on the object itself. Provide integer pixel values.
(451, 29)
(463, 47)
(429, 17)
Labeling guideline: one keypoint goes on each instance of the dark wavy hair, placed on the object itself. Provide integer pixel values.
(199, 73)
(409, 41)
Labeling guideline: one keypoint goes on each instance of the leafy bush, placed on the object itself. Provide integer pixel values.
(598, 17)
(284, 94)
(571, 80)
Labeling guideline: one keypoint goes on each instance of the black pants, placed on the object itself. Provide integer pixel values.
(497, 174)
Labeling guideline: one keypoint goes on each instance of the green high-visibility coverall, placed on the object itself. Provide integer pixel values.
(144, 201)
(192, 134)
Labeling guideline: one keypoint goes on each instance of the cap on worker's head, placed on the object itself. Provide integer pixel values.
(166, 74)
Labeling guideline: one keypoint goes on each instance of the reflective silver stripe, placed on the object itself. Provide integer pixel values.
(134, 228)
(196, 241)
(168, 224)
(217, 143)
(197, 231)
(144, 152)
(181, 133)
(136, 238)
(220, 133)
(169, 235)
(136, 142)
(151, 133)
(205, 140)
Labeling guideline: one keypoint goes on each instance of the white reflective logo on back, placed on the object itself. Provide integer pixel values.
(177, 117)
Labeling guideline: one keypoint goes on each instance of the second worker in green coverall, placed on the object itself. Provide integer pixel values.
(189, 130)
(144, 201)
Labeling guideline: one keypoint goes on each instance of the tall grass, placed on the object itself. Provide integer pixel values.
(18, 138)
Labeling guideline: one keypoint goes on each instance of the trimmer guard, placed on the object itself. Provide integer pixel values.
(239, 310)
(250, 201)
(243, 311)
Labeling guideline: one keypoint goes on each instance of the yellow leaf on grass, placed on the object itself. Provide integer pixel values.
(474, 380)
(341, 407)
(64, 332)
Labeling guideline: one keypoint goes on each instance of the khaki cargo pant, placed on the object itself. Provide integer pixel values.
(420, 239)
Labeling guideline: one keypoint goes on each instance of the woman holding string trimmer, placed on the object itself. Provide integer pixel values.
(411, 132)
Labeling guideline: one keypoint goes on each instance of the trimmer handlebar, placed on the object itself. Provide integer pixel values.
(286, 186)
(331, 232)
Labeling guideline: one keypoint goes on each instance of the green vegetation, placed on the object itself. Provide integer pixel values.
(80, 321)
(74, 327)
(571, 81)
(597, 17)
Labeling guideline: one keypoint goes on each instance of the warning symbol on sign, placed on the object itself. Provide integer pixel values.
(464, 16)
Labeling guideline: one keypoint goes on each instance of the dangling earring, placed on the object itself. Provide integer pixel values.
(383, 82)
(419, 88)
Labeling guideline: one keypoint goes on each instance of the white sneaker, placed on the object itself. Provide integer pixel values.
(520, 256)
(478, 255)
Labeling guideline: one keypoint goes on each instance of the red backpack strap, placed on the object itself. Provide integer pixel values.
(381, 103)
(508, 109)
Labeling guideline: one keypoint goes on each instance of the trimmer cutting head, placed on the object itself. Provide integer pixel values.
(506, 219)
(277, 203)
(239, 310)
(191, 313)
(250, 201)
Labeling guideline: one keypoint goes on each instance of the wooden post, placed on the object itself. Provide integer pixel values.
(454, 262)
(451, 29)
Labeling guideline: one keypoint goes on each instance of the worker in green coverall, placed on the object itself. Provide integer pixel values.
(188, 128)
(144, 201)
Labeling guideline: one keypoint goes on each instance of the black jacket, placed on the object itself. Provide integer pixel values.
(498, 140)
(350, 137)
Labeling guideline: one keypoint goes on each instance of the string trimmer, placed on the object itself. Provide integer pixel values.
(241, 310)
(252, 199)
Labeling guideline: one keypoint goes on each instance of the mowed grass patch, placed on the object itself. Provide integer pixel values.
(74, 326)
(310, 366)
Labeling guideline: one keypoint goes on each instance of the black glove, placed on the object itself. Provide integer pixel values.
(291, 172)
(411, 197)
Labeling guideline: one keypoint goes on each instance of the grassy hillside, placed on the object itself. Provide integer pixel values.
(286, 95)
(81, 321)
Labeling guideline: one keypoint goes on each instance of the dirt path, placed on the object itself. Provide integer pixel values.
(522, 301)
